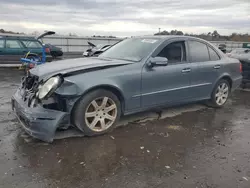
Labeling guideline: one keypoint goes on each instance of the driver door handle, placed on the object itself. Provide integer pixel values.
(186, 70)
(216, 66)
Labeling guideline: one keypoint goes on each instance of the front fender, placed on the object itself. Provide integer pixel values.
(72, 88)
(69, 89)
(73, 92)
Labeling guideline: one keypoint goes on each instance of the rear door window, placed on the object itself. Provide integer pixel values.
(32, 44)
(13, 44)
(198, 51)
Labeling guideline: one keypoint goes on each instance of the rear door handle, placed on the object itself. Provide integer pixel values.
(186, 70)
(216, 66)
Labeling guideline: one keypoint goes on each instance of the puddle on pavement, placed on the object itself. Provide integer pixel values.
(175, 127)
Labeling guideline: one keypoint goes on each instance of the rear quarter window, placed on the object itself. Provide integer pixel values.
(32, 44)
(213, 55)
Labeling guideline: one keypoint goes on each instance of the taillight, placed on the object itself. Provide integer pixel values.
(240, 67)
(47, 50)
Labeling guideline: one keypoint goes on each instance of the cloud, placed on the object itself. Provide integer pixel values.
(125, 17)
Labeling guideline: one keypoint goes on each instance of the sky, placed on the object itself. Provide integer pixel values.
(125, 17)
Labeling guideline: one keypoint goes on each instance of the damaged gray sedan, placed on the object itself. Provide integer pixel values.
(134, 75)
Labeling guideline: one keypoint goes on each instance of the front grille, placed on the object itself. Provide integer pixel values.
(30, 82)
(29, 87)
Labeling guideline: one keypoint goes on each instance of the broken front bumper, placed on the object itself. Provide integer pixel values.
(37, 121)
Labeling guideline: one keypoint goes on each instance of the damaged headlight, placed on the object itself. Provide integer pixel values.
(49, 86)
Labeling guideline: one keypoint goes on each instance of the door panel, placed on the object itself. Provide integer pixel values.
(206, 72)
(202, 79)
(165, 85)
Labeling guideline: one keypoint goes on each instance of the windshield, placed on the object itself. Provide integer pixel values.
(134, 49)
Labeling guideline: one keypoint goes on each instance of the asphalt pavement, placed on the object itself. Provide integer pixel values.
(189, 146)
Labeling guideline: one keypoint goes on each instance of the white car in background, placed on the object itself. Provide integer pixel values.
(239, 53)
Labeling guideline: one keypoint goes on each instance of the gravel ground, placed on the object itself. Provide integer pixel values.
(203, 148)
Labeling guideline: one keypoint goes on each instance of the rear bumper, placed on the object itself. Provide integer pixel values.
(56, 53)
(246, 77)
(38, 122)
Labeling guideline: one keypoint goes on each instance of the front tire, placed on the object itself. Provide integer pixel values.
(220, 94)
(97, 112)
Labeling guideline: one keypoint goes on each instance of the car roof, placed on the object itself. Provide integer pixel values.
(239, 48)
(165, 37)
(184, 37)
(17, 37)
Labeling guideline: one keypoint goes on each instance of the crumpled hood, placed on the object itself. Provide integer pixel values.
(70, 65)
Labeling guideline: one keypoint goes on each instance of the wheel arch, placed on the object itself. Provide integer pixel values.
(227, 78)
(115, 90)
(223, 77)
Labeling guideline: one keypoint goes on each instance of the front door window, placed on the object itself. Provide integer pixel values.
(175, 52)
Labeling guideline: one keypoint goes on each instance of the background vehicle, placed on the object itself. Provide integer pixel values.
(95, 50)
(13, 48)
(135, 75)
(239, 53)
(54, 50)
(243, 55)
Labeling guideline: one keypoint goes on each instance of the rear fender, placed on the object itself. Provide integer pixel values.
(223, 76)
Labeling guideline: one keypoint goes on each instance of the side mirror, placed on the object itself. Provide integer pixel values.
(158, 61)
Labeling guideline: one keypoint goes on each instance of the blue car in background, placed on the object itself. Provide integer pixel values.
(135, 75)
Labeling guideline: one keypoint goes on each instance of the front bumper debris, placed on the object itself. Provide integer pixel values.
(37, 121)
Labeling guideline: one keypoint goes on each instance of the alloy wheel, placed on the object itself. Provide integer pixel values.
(100, 114)
(221, 94)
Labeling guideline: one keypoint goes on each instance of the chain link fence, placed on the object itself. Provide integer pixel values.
(80, 44)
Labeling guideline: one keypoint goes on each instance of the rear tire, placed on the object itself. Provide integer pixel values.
(220, 94)
(97, 112)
